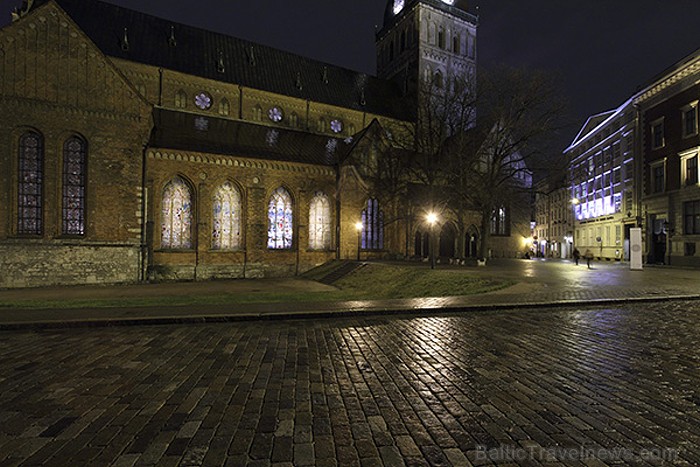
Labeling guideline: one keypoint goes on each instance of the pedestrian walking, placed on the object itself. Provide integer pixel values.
(589, 257)
(577, 255)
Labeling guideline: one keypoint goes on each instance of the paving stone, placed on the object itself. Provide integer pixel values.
(356, 390)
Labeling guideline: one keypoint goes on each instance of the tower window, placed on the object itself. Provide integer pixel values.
(441, 38)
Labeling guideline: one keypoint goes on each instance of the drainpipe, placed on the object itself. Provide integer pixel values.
(143, 251)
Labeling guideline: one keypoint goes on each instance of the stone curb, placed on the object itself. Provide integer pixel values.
(281, 315)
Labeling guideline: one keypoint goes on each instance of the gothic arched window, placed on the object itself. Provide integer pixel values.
(320, 222)
(455, 44)
(30, 186)
(74, 177)
(257, 113)
(226, 225)
(372, 226)
(176, 225)
(224, 107)
(280, 225)
(438, 80)
(441, 38)
(180, 99)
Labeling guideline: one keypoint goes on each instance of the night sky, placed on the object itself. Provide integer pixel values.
(602, 49)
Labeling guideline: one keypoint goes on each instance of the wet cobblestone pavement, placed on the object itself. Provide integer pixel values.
(615, 386)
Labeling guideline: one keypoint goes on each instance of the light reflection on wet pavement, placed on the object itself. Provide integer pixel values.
(436, 390)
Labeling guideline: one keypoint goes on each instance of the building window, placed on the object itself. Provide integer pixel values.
(690, 119)
(181, 99)
(280, 221)
(455, 44)
(691, 169)
(658, 177)
(372, 226)
(224, 107)
(257, 113)
(74, 174)
(176, 225)
(657, 134)
(441, 38)
(437, 80)
(226, 225)
(321, 125)
(293, 120)
(691, 217)
(30, 185)
(320, 222)
(499, 222)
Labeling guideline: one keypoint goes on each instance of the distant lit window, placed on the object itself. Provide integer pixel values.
(321, 125)
(499, 222)
(30, 185)
(275, 114)
(74, 175)
(336, 126)
(320, 222)
(203, 100)
(280, 221)
(372, 226)
(176, 213)
(226, 218)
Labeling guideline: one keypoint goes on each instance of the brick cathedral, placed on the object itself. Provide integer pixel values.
(133, 148)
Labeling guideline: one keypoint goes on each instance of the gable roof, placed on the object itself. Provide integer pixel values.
(200, 52)
(198, 133)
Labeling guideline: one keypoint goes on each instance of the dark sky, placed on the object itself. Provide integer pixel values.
(602, 49)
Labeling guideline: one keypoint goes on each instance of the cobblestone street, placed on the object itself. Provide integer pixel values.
(557, 385)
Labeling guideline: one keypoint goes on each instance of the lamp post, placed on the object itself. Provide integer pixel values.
(432, 219)
(574, 202)
(358, 227)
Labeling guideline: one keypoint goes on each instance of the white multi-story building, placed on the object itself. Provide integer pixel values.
(603, 169)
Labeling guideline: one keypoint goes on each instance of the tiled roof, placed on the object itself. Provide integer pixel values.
(201, 53)
(193, 132)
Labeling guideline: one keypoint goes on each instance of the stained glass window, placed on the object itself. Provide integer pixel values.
(372, 226)
(176, 231)
(74, 172)
(279, 215)
(320, 222)
(226, 230)
(30, 184)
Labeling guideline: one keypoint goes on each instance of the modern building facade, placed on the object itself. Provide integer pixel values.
(603, 178)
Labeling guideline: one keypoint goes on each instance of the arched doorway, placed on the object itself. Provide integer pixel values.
(471, 243)
(421, 244)
(447, 241)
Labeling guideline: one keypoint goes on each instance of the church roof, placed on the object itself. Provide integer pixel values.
(198, 133)
(229, 59)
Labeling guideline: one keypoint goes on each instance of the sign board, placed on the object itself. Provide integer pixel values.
(636, 249)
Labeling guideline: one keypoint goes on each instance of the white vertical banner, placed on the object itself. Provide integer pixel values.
(636, 249)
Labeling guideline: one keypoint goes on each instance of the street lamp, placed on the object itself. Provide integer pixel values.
(358, 227)
(432, 219)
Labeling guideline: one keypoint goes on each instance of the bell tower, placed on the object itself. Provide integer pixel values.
(428, 40)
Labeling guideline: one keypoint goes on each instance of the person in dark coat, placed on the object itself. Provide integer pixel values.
(577, 255)
(589, 257)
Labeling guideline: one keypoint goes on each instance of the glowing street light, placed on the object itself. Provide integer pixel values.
(432, 219)
(358, 227)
